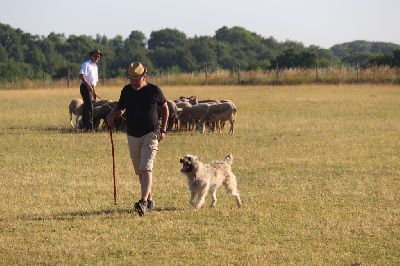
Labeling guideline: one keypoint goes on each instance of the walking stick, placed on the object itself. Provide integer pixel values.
(112, 148)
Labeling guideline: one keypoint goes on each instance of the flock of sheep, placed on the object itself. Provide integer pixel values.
(185, 113)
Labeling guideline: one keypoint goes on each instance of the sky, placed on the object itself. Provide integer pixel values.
(323, 23)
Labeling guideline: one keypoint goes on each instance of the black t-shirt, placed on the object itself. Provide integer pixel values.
(141, 108)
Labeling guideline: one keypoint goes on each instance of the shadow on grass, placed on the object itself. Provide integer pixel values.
(66, 130)
(74, 215)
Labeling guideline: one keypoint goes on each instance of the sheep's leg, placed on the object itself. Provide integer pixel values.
(211, 127)
(70, 120)
(76, 122)
(231, 129)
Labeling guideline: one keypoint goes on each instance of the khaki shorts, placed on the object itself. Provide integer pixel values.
(143, 151)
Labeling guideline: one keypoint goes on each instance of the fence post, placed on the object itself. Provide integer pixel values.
(316, 71)
(205, 73)
(43, 80)
(277, 72)
(357, 67)
(167, 75)
(238, 74)
(68, 75)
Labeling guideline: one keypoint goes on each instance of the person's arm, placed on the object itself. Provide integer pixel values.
(164, 118)
(89, 86)
(114, 113)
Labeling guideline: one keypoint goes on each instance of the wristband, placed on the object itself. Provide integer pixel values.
(163, 131)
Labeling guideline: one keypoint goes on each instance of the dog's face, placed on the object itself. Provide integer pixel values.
(189, 163)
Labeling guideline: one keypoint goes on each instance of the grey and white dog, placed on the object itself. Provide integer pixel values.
(203, 178)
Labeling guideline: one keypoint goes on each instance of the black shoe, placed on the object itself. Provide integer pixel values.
(151, 206)
(141, 207)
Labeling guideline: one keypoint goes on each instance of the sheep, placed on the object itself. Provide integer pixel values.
(210, 101)
(76, 108)
(183, 104)
(192, 113)
(100, 103)
(172, 120)
(217, 113)
(179, 108)
(191, 99)
(101, 112)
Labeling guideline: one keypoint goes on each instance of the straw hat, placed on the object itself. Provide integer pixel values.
(96, 51)
(136, 70)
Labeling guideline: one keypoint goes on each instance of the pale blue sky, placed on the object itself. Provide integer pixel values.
(312, 22)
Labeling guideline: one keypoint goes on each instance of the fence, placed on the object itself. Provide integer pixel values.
(288, 76)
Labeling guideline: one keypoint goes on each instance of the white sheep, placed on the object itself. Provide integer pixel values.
(172, 119)
(219, 113)
(179, 108)
(75, 107)
(191, 114)
(191, 99)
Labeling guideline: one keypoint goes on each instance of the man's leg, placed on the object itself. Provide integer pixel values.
(87, 112)
(146, 181)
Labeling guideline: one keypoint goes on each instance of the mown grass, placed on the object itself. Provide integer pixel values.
(317, 166)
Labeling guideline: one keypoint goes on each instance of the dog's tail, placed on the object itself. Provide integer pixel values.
(229, 159)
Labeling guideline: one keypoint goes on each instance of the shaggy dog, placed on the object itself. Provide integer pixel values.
(203, 178)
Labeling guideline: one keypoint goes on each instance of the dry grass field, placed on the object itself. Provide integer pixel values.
(318, 170)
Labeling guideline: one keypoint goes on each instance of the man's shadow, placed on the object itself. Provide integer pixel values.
(73, 215)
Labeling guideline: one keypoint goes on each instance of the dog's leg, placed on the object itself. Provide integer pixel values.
(238, 201)
(193, 195)
(231, 187)
(201, 197)
(213, 195)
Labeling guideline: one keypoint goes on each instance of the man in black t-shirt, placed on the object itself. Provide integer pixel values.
(139, 100)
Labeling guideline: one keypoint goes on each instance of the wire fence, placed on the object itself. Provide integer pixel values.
(287, 76)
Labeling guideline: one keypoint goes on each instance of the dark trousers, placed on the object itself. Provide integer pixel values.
(87, 112)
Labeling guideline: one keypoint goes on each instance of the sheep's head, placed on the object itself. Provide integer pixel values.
(200, 126)
(178, 112)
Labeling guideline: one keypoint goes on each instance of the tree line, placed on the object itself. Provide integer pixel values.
(27, 56)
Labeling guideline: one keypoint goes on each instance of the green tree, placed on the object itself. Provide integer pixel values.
(203, 49)
(290, 58)
(134, 50)
(381, 59)
(169, 48)
(167, 38)
(308, 59)
(79, 48)
(396, 57)
(3, 54)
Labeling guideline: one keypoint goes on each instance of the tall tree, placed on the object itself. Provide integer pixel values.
(167, 38)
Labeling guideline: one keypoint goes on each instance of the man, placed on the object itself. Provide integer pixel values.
(139, 100)
(89, 78)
